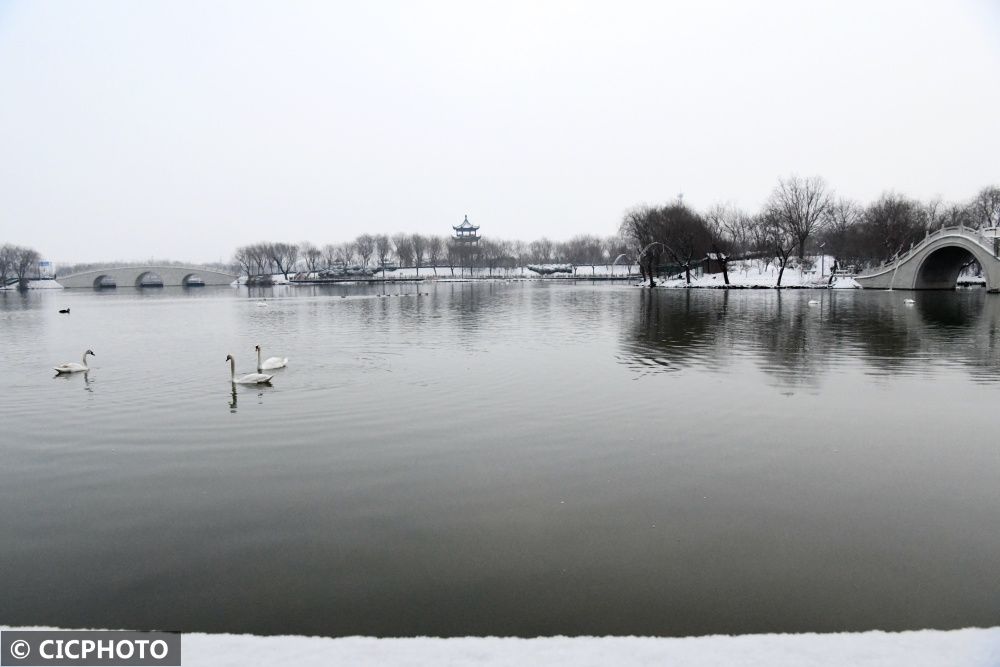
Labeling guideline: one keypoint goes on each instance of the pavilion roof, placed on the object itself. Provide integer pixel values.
(466, 225)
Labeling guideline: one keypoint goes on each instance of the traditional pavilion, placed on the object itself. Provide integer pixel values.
(467, 239)
(467, 233)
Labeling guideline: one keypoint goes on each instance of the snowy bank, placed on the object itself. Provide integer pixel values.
(972, 647)
(758, 274)
(36, 284)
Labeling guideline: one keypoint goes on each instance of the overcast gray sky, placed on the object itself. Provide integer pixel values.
(131, 130)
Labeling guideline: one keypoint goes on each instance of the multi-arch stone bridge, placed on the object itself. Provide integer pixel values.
(147, 276)
(935, 262)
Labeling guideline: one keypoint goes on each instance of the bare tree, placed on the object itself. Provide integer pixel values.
(684, 235)
(419, 244)
(24, 260)
(519, 253)
(582, 249)
(346, 254)
(456, 253)
(435, 249)
(842, 232)
(491, 254)
(642, 229)
(364, 246)
(329, 255)
(985, 207)
(8, 257)
(383, 250)
(244, 259)
(264, 256)
(404, 249)
(284, 256)
(311, 255)
(773, 237)
(954, 215)
(541, 250)
(800, 205)
(729, 230)
(891, 224)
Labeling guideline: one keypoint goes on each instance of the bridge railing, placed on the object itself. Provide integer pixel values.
(150, 267)
(975, 233)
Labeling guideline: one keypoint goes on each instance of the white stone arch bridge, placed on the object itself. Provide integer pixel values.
(147, 276)
(935, 262)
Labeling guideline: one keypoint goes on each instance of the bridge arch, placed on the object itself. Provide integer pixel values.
(193, 280)
(149, 279)
(935, 262)
(104, 281)
(940, 268)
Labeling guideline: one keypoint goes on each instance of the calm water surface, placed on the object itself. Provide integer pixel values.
(505, 458)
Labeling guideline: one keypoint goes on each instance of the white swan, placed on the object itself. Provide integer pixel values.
(909, 302)
(73, 367)
(251, 378)
(270, 363)
(813, 302)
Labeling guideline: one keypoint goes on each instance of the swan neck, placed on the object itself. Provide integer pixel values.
(258, 358)
(232, 369)
(85, 360)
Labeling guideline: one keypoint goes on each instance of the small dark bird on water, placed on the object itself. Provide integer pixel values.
(64, 311)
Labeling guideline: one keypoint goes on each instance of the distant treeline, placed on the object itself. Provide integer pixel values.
(801, 217)
(17, 264)
(373, 251)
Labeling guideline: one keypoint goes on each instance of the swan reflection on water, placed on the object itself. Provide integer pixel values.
(68, 377)
(233, 400)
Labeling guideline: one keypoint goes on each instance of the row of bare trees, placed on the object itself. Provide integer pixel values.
(868, 235)
(17, 264)
(802, 216)
(372, 251)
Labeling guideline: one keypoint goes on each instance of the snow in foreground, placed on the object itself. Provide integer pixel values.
(973, 647)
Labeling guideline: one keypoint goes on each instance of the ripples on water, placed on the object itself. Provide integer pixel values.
(501, 458)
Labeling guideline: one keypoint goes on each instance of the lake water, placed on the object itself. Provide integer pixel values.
(517, 458)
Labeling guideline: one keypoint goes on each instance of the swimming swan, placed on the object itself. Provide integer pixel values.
(271, 362)
(909, 302)
(73, 367)
(252, 378)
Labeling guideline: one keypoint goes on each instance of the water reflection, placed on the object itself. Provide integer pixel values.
(673, 330)
(799, 337)
(946, 310)
(67, 377)
(501, 452)
(233, 397)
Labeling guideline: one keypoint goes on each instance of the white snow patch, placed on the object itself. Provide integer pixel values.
(971, 647)
(758, 274)
(37, 284)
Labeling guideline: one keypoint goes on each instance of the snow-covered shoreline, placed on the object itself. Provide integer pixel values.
(36, 284)
(969, 647)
